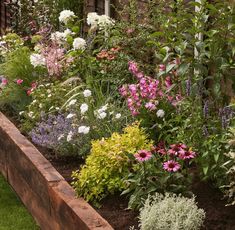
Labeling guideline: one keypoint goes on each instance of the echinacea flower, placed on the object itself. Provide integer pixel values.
(143, 155)
(176, 149)
(187, 154)
(171, 166)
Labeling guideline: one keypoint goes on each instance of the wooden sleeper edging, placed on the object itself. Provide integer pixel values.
(45, 193)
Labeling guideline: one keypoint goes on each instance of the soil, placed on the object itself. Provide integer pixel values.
(114, 208)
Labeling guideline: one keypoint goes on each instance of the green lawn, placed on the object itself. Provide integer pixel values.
(13, 215)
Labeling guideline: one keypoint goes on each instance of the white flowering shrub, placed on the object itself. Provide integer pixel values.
(170, 212)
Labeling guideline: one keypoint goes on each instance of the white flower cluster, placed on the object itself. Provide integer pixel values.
(160, 113)
(101, 113)
(102, 21)
(79, 44)
(84, 108)
(60, 37)
(84, 129)
(66, 15)
(87, 93)
(37, 60)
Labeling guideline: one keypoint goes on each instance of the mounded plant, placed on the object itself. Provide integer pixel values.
(170, 212)
(108, 164)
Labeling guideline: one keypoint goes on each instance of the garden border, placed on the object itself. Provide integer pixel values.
(45, 193)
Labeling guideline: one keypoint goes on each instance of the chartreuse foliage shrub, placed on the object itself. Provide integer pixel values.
(170, 212)
(108, 164)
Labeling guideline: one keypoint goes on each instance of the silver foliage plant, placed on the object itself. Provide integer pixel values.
(170, 212)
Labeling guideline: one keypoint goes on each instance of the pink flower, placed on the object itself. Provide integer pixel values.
(171, 166)
(176, 149)
(143, 155)
(133, 68)
(19, 81)
(33, 85)
(162, 67)
(130, 30)
(150, 106)
(168, 82)
(29, 91)
(123, 91)
(187, 154)
(4, 81)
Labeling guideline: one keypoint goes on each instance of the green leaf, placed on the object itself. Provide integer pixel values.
(183, 68)
(205, 169)
(216, 157)
(170, 67)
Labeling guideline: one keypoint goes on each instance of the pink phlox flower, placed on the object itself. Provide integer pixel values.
(123, 91)
(4, 81)
(133, 68)
(19, 81)
(150, 106)
(171, 166)
(143, 155)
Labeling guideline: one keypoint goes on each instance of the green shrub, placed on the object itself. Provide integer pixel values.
(108, 164)
(170, 212)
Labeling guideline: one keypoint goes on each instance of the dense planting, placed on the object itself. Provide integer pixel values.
(148, 103)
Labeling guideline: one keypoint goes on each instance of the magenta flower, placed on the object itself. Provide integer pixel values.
(19, 81)
(4, 81)
(133, 68)
(143, 155)
(171, 166)
(187, 154)
(176, 149)
(162, 67)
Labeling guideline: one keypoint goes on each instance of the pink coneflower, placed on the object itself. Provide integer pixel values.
(160, 148)
(171, 166)
(143, 155)
(176, 149)
(19, 81)
(187, 154)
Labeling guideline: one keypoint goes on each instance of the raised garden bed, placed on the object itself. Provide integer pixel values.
(51, 200)
(46, 194)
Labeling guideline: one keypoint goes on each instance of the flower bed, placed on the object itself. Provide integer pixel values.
(143, 104)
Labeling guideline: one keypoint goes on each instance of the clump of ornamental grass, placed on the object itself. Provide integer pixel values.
(170, 212)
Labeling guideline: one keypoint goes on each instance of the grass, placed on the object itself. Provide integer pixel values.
(13, 215)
